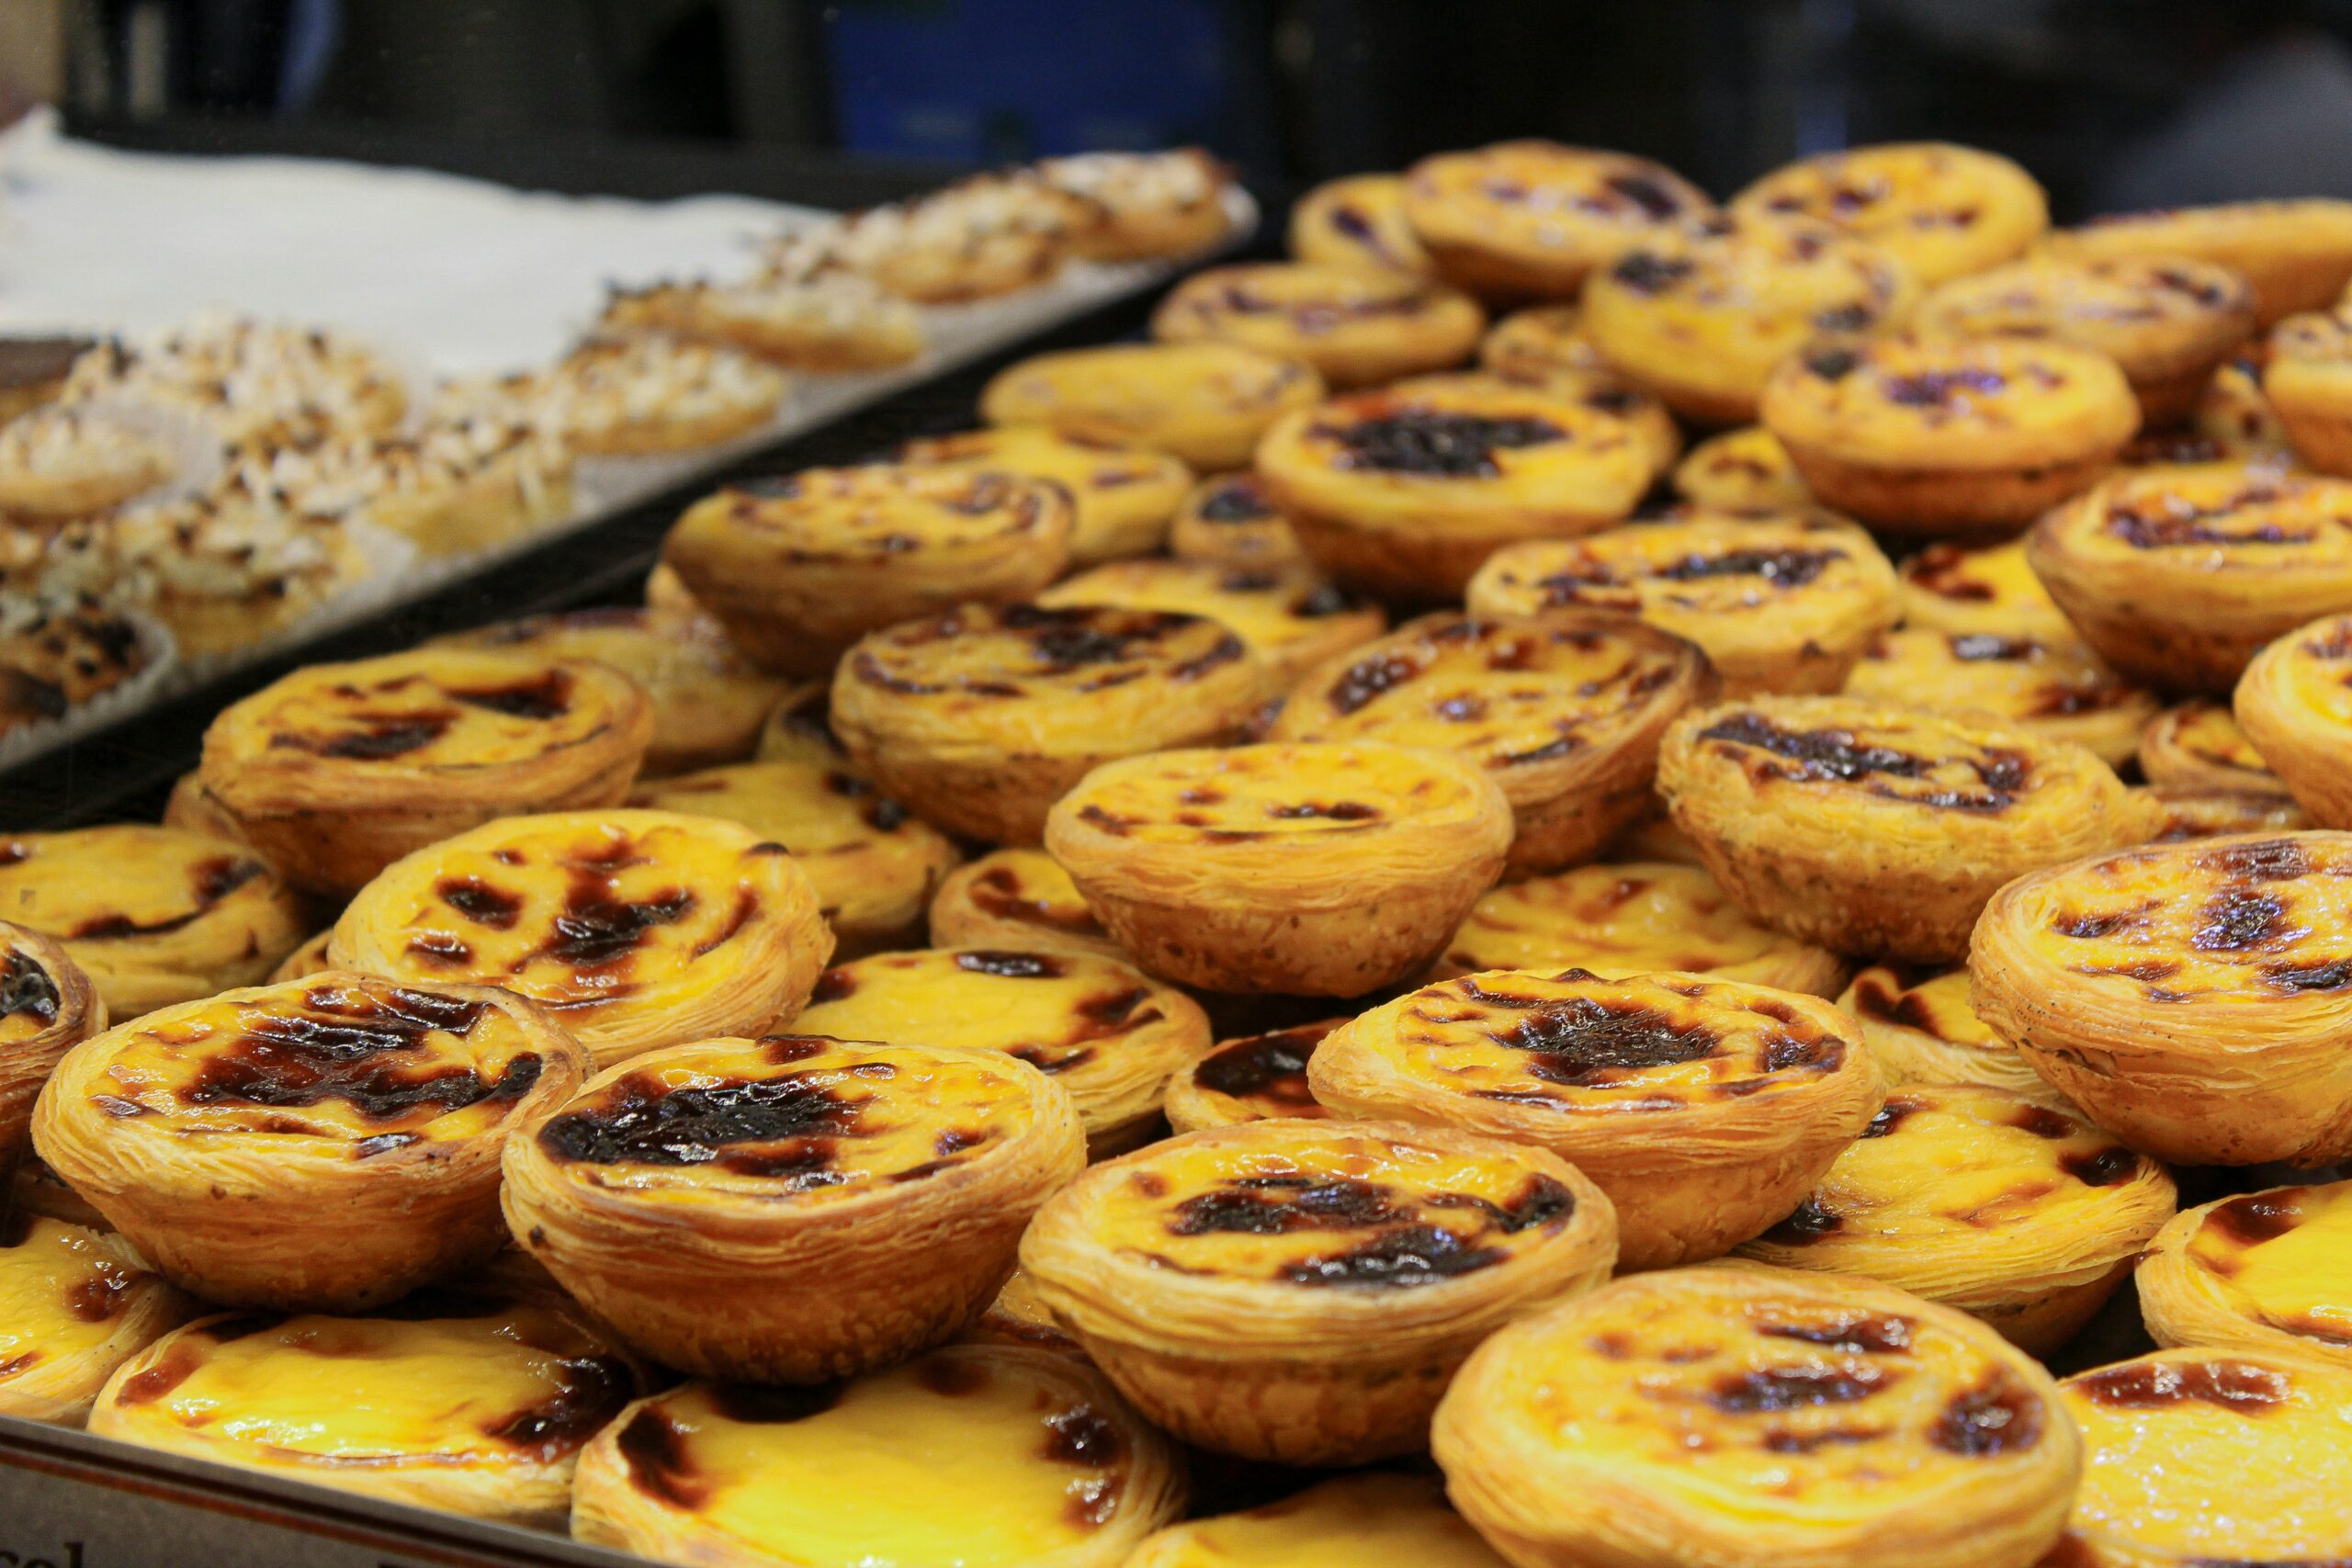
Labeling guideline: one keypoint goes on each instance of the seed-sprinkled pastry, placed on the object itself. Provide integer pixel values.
(1562, 711)
(636, 929)
(1989, 590)
(1257, 1077)
(336, 771)
(1941, 210)
(2192, 997)
(792, 1208)
(1121, 496)
(1300, 1292)
(643, 394)
(1624, 918)
(1923, 1029)
(2053, 687)
(1105, 1031)
(1017, 899)
(1290, 618)
(2198, 743)
(1205, 402)
(1760, 1417)
(471, 1406)
(985, 1456)
(981, 719)
(1779, 602)
(2188, 811)
(74, 1305)
(34, 369)
(1231, 521)
(1741, 469)
(47, 1006)
(1936, 436)
(1306, 869)
(2267, 1270)
(59, 651)
(2293, 706)
(328, 1143)
(1536, 218)
(1356, 327)
(451, 487)
(2297, 255)
(1146, 205)
(1881, 828)
(1358, 221)
(153, 915)
(798, 568)
(1705, 1109)
(60, 463)
(829, 321)
(1342, 1523)
(2012, 1211)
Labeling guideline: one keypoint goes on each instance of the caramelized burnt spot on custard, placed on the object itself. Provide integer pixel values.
(1267, 1073)
(2147, 518)
(29, 999)
(1238, 498)
(2241, 1388)
(1085, 648)
(1368, 1234)
(1392, 437)
(1054, 1030)
(2277, 1251)
(1591, 579)
(394, 718)
(211, 879)
(1988, 779)
(1002, 891)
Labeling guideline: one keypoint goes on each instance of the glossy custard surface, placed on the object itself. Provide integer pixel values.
(1614, 921)
(63, 1290)
(2284, 1258)
(1274, 793)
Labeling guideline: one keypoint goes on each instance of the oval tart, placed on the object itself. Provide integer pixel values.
(1122, 496)
(1356, 326)
(1923, 1029)
(2267, 1270)
(1941, 210)
(1204, 402)
(1289, 616)
(1017, 899)
(1532, 217)
(2052, 687)
(47, 1006)
(2295, 707)
(74, 1305)
(1990, 589)
(1343, 1523)
(1257, 1077)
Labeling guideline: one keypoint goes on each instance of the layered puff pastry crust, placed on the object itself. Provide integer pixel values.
(1305, 869)
(336, 771)
(2267, 1270)
(1290, 618)
(983, 1456)
(1879, 829)
(1923, 1029)
(1019, 899)
(1346, 1522)
(2192, 997)
(2055, 688)
(1713, 1417)
(2297, 255)
(1705, 1109)
(792, 1208)
(47, 1006)
(471, 1406)
(1940, 210)
(1204, 402)
(1358, 221)
(1300, 1292)
(1356, 326)
(74, 1305)
(1121, 496)
(328, 1143)
(1989, 590)
(1532, 217)
(2293, 704)
(635, 928)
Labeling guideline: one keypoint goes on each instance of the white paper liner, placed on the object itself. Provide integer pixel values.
(150, 685)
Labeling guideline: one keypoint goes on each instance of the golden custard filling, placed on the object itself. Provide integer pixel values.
(2315, 677)
(2169, 310)
(62, 1291)
(1090, 470)
(1943, 209)
(102, 886)
(1937, 1005)
(2054, 681)
(1431, 452)
(1374, 1520)
(1615, 920)
(982, 659)
(1742, 468)
(1909, 758)
(1271, 305)
(2228, 520)
(1274, 609)
(814, 1118)
(1546, 199)
(1951, 402)
(1994, 589)
(1029, 888)
(1687, 575)
(1264, 1077)
(2278, 1258)
(1300, 792)
(2203, 736)
(877, 511)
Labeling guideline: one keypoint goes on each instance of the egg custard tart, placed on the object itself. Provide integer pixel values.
(1231, 521)
(1989, 590)
(2197, 744)
(1106, 1032)
(1940, 210)
(798, 569)
(1257, 1077)
(1358, 221)
(2185, 811)
(1347, 1522)
(2010, 1211)
(872, 864)
(2192, 997)
(2052, 687)
(1923, 1029)
(1746, 1418)
(791, 1209)
(1122, 495)
(1931, 438)
(1308, 869)
(1705, 1109)
(636, 929)
(2267, 1270)
(1354, 326)
(1626, 918)
(977, 1456)
(336, 771)
(1204, 402)
(1539, 341)
(1562, 711)
(2234, 413)
(2308, 381)
(152, 916)
(2294, 706)
(1300, 1292)
(981, 719)
(1291, 619)
(1532, 218)
(2206, 1457)
(1742, 468)
(1403, 492)
(1779, 602)
(327, 1144)
(74, 1305)
(47, 1006)
(470, 1406)
(2178, 579)
(2297, 255)
(1018, 899)
(305, 961)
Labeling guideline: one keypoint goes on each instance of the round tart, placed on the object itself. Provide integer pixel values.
(826, 321)
(1923, 1029)
(636, 929)
(1627, 917)
(646, 394)
(1929, 436)
(153, 915)
(1231, 521)
(1322, 870)
(1601, 389)
(791, 1209)
(872, 864)
(2293, 706)
(1756, 1416)
(1990, 590)
(1109, 1034)
(2012, 1211)
(1747, 469)
(1700, 313)
(2211, 1456)
(1534, 217)
(977, 1456)
(2052, 687)
(799, 568)
(1542, 340)
(2191, 998)
(1778, 602)
(2309, 382)
(2188, 811)
(1147, 205)
(981, 719)
(1877, 827)
(1290, 618)
(463, 1406)
(1354, 326)
(987, 235)
(1562, 711)
(1358, 221)
(329, 1143)
(1259, 1077)
(1122, 496)
(1343, 1523)
(1705, 1109)
(1940, 210)
(2267, 1270)
(1300, 1292)
(1017, 899)
(1205, 402)
(47, 1006)
(2197, 744)
(1404, 492)
(74, 1305)
(2297, 255)
(2177, 580)
(336, 771)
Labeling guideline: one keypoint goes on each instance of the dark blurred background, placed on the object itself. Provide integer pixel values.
(2113, 102)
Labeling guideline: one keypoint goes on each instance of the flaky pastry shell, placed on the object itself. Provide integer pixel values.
(2052, 687)
(2297, 255)
(1922, 1028)
(1382, 1517)
(2261, 1269)
(47, 1006)
(2199, 745)
(1205, 402)
(77, 1304)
